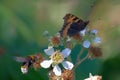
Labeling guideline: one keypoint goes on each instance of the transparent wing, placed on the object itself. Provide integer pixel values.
(20, 59)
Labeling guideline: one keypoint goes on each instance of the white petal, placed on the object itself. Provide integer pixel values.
(82, 32)
(66, 52)
(88, 79)
(67, 65)
(92, 78)
(24, 70)
(95, 78)
(68, 39)
(97, 40)
(57, 70)
(86, 44)
(90, 74)
(49, 51)
(46, 63)
(94, 31)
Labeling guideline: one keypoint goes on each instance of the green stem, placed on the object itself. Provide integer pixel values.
(78, 56)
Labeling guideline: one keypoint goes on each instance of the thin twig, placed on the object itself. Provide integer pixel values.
(78, 56)
(86, 57)
(80, 61)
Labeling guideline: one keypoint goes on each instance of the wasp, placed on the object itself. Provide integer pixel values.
(31, 60)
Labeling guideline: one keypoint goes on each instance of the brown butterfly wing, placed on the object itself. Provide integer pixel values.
(72, 25)
(76, 27)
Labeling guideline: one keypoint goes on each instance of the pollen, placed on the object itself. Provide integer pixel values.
(57, 57)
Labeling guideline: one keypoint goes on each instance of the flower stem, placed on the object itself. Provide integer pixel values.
(78, 62)
(82, 60)
(78, 56)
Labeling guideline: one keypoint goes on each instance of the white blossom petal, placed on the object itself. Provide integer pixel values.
(82, 32)
(67, 65)
(90, 75)
(97, 40)
(49, 51)
(24, 70)
(68, 38)
(46, 63)
(86, 44)
(94, 31)
(57, 70)
(88, 79)
(66, 52)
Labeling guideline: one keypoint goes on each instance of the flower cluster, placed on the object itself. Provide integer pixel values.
(91, 42)
(60, 47)
(92, 39)
(87, 38)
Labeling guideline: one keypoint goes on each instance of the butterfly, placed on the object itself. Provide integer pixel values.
(72, 25)
(31, 60)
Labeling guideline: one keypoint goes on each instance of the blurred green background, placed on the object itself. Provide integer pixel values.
(22, 23)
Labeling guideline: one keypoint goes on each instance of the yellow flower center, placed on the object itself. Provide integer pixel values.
(57, 57)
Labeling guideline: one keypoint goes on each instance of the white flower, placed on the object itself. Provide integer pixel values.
(96, 77)
(97, 40)
(86, 44)
(94, 31)
(56, 58)
(24, 70)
